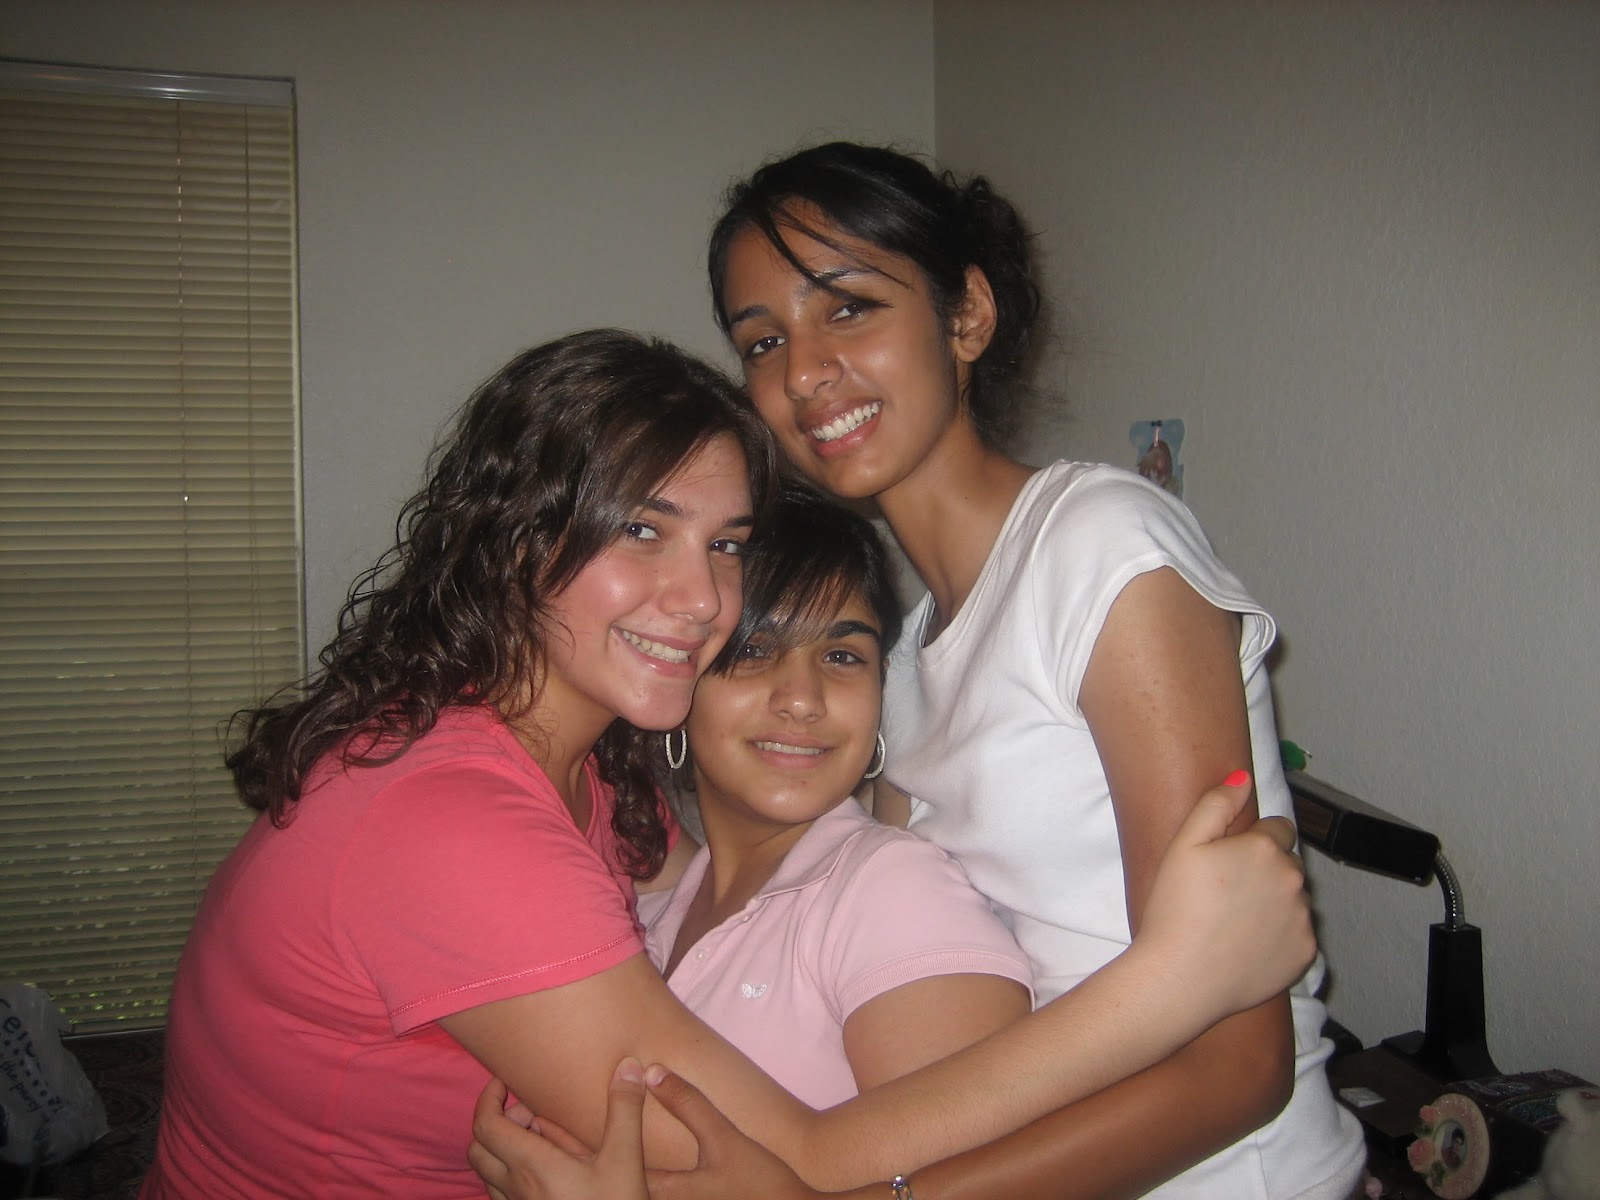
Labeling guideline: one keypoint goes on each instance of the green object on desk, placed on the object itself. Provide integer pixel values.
(1294, 758)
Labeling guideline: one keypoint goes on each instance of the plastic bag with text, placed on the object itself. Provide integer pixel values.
(48, 1108)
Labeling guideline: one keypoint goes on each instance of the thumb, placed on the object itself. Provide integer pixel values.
(1209, 819)
(1280, 829)
(623, 1140)
(689, 1105)
(491, 1104)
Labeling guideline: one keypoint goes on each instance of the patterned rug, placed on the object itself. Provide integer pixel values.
(125, 1069)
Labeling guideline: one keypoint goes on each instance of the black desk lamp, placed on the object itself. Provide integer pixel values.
(1451, 1045)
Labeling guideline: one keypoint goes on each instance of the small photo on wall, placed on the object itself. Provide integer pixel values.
(1156, 445)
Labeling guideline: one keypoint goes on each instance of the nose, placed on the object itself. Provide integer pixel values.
(690, 589)
(810, 364)
(797, 689)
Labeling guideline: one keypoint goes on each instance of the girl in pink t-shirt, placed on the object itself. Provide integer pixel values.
(454, 809)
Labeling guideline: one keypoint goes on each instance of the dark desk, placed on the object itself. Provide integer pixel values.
(1389, 1123)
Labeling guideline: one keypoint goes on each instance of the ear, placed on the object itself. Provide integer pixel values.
(972, 326)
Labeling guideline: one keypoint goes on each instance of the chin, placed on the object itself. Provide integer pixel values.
(659, 715)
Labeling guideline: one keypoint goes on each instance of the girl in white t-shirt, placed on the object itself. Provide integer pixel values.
(1080, 670)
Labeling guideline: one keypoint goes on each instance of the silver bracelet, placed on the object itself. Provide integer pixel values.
(902, 1188)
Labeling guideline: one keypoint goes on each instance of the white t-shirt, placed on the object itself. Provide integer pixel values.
(985, 734)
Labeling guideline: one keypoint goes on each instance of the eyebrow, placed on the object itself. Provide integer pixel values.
(821, 281)
(844, 629)
(667, 508)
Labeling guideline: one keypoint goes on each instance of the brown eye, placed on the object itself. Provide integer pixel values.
(761, 346)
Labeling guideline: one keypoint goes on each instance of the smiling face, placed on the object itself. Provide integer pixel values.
(854, 371)
(781, 738)
(631, 634)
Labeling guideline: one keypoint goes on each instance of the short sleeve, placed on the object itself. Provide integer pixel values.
(903, 910)
(468, 884)
(1103, 530)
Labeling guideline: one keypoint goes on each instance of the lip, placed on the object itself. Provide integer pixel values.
(807, 752)
(849, 441)
(689, 668)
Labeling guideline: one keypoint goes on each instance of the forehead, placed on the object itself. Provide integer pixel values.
(816, 623)
(819, 246)
(714, 473)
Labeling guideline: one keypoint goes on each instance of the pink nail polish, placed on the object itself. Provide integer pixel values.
(1237, 779)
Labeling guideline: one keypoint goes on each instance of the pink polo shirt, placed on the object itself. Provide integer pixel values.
(855, 910)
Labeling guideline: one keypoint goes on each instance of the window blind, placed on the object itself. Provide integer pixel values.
(149, 509)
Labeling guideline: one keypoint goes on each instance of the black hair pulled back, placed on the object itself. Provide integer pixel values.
(894, 201)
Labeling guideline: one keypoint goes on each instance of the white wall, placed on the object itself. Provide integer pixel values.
(478, 177)
(1357, 248)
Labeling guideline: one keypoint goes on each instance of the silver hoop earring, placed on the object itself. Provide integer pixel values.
(677, 760)
(882, 755)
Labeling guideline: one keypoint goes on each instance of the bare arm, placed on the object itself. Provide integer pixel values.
(921, 1022)
(1165, 703)
(556, 1050)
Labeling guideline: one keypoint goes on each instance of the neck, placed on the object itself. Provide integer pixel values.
(560, 750)
(745, 854)
(948, 514)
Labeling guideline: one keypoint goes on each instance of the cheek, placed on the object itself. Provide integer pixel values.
(765, 387)
(866, 711)
(719, 709)
(730, 593)
(606, 585)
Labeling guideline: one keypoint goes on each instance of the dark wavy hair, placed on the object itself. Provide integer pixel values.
(814, 555)
(546, 462)
(941, 222)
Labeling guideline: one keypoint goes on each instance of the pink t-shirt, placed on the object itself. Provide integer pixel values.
(855, 910)
(303, 1058)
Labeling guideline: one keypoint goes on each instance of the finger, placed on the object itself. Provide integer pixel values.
(489, 1168)
(689, 1105)
(1209, 819)
(623, 1141)
(562, 1140)
(498, 1140)
(669, 1185)
(1280, 830)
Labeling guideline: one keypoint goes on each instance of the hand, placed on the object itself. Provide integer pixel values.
(731, 1166)
(544, 1162)
(1230, 911)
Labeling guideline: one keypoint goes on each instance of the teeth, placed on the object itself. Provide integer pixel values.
(782, 748)
(654, 649)
(852, 420)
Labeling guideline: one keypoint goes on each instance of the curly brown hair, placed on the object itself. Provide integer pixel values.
(546, 462)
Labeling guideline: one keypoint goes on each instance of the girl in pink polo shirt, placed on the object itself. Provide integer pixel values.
(836, 952)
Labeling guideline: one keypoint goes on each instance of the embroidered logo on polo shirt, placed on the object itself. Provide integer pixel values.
(753, 991)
